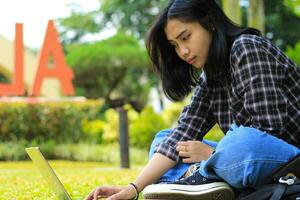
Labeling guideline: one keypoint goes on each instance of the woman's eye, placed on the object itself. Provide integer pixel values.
(186, 37)
(174, 46)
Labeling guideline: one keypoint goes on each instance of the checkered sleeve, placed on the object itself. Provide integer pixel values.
(194, 122)
(258, 76)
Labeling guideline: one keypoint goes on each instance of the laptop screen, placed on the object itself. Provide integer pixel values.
(46, 170)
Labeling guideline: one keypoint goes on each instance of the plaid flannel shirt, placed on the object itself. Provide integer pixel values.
(264, 92)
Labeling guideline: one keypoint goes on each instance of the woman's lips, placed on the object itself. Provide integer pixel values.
(192, 60)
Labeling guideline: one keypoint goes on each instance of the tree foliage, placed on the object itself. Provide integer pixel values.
(78, 25)
(114, 69)
(134, 16)
(282, 25)
(294, 52)
(294, 5)
(130, 16)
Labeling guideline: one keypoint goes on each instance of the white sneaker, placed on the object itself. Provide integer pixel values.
(209, 191)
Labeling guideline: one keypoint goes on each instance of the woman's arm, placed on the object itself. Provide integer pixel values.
(194, 122)
(155, 168)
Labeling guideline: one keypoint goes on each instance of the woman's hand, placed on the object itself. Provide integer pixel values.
(193, 151)
(112, 193)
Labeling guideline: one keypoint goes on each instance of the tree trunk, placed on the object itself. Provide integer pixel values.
(233, 10)
(256, 15)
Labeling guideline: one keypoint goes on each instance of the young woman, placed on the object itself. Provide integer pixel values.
(247, 86)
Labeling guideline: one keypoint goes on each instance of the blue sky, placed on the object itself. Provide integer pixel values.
(34, 14)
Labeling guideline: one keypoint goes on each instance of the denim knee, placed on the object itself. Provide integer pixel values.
(240, 141)
(248, 142)
(246, 156)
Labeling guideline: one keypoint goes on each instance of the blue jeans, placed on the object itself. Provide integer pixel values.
(245, 157)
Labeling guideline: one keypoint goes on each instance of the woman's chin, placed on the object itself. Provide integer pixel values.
(197, 66)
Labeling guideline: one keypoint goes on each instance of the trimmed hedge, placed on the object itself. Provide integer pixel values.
(54, 123)
(60, 122)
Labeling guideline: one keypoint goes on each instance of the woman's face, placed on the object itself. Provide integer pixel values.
(190, 40)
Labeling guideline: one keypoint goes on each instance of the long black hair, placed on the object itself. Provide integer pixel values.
(179, 77)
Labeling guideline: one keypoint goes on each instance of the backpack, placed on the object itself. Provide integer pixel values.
(283, 184)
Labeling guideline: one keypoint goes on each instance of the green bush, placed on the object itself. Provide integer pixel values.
(58, 121)
(171, 113)
(110, 126)
(49, 125)
(144, 128)
(94, 130)
(109, 153)
(13, 151)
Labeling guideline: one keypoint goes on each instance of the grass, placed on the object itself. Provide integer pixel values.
(21, 180)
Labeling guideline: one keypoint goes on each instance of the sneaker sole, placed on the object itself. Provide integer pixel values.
(212, 191)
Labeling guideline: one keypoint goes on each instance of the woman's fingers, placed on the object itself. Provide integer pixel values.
(97, 194)
(90, 196)
(183, 154)
(188, 160)
(192, 151)
(183, 151)
(188, 146)
(181, 148)
(103, 191)
(183, 143)
(126, 193)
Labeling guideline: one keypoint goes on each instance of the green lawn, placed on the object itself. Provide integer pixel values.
(21, 180)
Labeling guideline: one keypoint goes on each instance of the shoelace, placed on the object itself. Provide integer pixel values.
(191, 171)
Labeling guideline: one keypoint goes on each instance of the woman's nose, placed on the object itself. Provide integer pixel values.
(184, 51)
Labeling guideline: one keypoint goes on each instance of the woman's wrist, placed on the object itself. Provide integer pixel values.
(136, 190)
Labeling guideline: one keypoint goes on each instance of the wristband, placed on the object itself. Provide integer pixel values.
(136, 191)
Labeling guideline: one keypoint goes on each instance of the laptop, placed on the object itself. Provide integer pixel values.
(46, 170)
